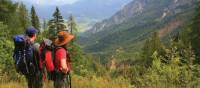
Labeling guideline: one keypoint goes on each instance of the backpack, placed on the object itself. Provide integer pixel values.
(24, 55)
(48, 51)
(47, 57)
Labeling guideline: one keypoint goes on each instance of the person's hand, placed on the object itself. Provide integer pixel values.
(65, 71)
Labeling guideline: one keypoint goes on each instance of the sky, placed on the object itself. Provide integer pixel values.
(47, 2)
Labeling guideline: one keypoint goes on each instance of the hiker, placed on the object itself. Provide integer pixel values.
(54, 57)
(26, 57)
(62, 60)
(46, 62)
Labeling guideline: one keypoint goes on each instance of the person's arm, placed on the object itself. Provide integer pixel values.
(64, 66)
(61, 56)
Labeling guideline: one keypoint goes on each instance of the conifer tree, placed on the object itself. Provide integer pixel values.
(9, 15)
(7, 9)
(52, 31)
(72, 25)
(56, 24)
(44, 24)
(35, 19)
(152, 45)
(195, 33)
(23, 16)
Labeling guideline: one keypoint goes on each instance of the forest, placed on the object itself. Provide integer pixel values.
(171, 64)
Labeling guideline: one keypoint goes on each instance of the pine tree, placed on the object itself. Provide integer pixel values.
(152, 45)
(58, 19)
(156, 42)
(72, 25)
(45, 32)
(7, 9)
(35, 19)
(81, 64)
(146, 49)
(195, 33)
(9, 15)
(56, 24)
(44, 24)
(52, 31)
(23, 16)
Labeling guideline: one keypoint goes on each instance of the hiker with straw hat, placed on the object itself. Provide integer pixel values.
(62, 60)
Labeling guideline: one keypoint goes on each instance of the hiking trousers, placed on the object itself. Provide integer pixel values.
(61, 80)
(34, 81)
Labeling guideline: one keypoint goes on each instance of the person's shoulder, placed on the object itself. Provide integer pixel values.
(60, 49)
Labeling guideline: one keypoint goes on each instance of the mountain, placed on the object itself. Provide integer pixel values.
(87, 12)
(96, 9)
(130, 26)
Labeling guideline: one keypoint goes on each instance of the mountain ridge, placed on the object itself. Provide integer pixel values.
(82, 8)
(146, 16)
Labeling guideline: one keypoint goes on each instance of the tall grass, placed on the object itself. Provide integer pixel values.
(79, 82)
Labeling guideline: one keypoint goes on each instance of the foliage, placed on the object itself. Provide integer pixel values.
(73, 26)
(82, 63)
(7, 9)
(151, 45)
(6, 49)
(175, 68)
(195, 33)
(23, 16)
(56, 24)
(126, 30)
(35, 19)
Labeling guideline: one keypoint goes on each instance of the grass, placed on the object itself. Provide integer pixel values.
(79, 82)
(22, 85)
(13, 85)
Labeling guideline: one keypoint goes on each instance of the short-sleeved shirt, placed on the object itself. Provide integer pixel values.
(61, 53)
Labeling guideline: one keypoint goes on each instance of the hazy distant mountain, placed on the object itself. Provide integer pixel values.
(83, 8)
(136, 21)
(96, 8)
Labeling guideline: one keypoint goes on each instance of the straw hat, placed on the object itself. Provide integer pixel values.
(63, 38)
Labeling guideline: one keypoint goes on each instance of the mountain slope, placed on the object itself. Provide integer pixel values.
(82, 8)
(96, 8)
(130, 26)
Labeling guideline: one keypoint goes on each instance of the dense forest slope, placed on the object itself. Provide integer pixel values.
(135, 23)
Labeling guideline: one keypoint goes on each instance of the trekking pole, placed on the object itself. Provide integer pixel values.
(69, 80)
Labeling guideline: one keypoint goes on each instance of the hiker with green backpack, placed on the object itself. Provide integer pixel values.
(26, 57)
(55, 57)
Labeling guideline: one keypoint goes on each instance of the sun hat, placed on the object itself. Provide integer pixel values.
(63, 38)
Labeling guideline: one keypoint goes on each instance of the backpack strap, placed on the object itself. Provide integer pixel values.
(24, 52)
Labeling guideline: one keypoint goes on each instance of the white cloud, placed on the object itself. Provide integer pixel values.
(47, 2)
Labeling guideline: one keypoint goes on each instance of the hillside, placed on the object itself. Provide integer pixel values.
(81, 8)
(130, 26)
(87, 12)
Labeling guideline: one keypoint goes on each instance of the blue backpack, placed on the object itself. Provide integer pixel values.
(24, 55)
